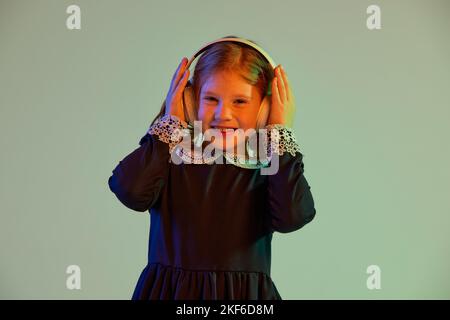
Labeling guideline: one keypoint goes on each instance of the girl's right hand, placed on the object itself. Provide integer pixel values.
(174, 96)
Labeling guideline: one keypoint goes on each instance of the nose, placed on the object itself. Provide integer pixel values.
(222, 112)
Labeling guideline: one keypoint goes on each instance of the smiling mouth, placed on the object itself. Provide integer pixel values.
(223, 127)
(226, 130)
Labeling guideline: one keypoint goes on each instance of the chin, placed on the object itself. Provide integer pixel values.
(220, 144)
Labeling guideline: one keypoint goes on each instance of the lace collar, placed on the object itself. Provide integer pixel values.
(191, 156)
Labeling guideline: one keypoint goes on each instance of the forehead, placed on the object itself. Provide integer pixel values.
(228, 83)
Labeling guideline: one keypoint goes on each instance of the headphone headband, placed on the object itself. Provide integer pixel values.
(240, 40)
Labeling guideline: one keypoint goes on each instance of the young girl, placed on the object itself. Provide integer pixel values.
(212, 222)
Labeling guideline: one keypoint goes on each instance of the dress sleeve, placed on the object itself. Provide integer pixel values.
(290, 202)
(138, 179)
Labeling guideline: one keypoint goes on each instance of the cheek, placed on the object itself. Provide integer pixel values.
(205, 115)
(248, 118)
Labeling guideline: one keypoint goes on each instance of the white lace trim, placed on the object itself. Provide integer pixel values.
(283, 140)
(194, 157)
(171, 130)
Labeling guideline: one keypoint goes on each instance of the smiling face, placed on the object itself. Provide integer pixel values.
(228, 100)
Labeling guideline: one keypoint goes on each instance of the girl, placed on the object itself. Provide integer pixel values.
(212, 223)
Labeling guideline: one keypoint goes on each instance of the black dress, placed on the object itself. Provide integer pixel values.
(211, 224)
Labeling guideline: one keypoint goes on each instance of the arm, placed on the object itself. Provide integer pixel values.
(138, 179)
(289, 197)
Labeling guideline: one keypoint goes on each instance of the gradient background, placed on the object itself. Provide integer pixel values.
(372, 120)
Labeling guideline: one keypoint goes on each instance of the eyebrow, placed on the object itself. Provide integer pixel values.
(235, 96)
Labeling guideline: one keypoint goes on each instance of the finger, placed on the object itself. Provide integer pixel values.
(275, 92)
(286, 83)
(182, 83)
(178, 74)
(281, 86)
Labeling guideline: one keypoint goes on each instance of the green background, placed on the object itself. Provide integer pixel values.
(372, 120)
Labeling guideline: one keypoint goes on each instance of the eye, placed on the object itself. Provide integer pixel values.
(238, 101)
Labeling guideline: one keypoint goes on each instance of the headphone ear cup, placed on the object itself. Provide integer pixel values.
(263, 114)
(189, 103)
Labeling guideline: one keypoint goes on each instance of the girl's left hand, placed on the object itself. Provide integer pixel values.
(282, 107)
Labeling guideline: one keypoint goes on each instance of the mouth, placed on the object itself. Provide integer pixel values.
(224, 130)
